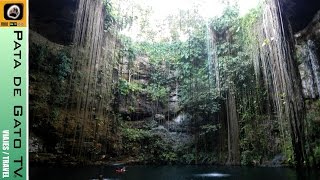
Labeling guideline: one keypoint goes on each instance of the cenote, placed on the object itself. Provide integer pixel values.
(189, 83)
(174, 173)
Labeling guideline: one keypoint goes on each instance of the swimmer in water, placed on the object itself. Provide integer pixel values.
(100, 177)
(121, 170)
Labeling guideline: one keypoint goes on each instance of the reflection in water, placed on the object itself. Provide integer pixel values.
(172, 173)
(104, 179)
(212, 175)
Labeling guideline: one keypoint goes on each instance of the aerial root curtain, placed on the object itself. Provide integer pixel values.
(91, 74)
(233, 129)
(281, 75)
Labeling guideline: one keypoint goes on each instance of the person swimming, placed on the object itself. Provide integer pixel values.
(100, 177)
(121, 170)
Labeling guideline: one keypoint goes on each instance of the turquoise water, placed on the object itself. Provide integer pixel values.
(174, 173)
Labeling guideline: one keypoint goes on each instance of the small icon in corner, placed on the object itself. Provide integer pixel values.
(13, 11)
(4, 24)
(13, 24)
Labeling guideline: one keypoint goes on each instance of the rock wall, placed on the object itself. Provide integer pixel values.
(137, 104)
(53, 19)
(308, 53)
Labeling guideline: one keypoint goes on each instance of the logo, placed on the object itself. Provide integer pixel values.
(13, 11)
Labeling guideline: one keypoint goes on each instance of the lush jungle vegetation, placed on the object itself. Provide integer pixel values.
(115, 97)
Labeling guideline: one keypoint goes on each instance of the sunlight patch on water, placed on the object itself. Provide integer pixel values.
(213, 175)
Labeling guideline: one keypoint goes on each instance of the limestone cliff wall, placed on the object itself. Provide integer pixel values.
(308, 56)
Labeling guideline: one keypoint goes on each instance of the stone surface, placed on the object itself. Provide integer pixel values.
(138, 105)
(308, 53)
(300, 12)
(53, 19)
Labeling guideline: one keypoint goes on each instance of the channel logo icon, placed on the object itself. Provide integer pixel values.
(13, 11)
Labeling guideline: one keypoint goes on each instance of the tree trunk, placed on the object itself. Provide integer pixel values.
(233, 130)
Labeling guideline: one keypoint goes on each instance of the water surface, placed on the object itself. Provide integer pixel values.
(174, 173)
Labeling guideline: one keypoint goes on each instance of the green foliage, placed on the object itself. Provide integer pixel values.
(134, 135)
(209, 128)
(188, 158)
(48, 91)
(160, 52)
(63, 68)
(235, 66)
(125, 88)
(157, 92)
(201, 104)
(39, 55)
(169, 157)
(316, 152)
(157, 88)
(109, 19)
(135, 87)
(247, 24)
(197, 97)
(312, 129)
(185, 63)
(159, 151)
(128, 49)
(253, 139)
(227, 20)
(147, 147)
(250, 158)
(288, 152)
(207, 158)
(154, 91)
